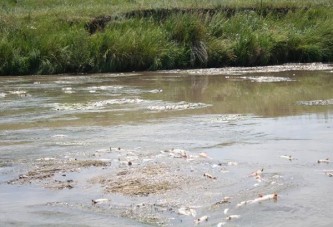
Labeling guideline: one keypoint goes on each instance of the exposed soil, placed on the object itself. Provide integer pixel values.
(99, 23)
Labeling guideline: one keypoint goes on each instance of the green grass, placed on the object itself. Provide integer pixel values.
(51, 36)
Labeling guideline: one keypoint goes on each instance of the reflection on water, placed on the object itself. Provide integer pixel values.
(248, 119)
(41, 101)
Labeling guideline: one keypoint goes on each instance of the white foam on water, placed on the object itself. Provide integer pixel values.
(105, 88)
(68, 90)
(267, 79)
(154, 91)
(73, 143)
(63, 82)
(3, 95)
(225, 118)
(95, 105)
(116, 102)
(177, 106)
(260, 69)
(20, 92)
(59, 136)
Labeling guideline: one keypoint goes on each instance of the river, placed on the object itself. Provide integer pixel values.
(168, 148)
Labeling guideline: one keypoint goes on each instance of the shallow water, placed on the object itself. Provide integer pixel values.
(244, 119)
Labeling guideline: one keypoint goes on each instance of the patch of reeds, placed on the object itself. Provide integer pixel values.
(141, 37)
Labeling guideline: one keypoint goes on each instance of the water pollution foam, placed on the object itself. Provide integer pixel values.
(114, 89)
(262, 79)
(95, 105)
(259, 69)
(155, 91)
(177, 106)
(68, 90)
(20, 93)
(105, 88)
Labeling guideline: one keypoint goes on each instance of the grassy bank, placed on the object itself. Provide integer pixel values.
(58, 36)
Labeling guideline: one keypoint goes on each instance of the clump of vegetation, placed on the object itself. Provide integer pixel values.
(109, 36)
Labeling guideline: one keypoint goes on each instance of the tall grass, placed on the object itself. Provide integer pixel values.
(47, 38)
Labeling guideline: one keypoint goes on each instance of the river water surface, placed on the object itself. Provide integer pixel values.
(167, 148)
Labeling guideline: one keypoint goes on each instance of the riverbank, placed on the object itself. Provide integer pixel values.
(88, 37)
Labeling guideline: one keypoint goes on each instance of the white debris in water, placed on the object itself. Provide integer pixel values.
(257, 173)
(263, 79)
(226, 118)
(226, 210)
(261, 69)
(63, 82)
(95, 105)
(202, 219)
(289, 157)
(154, 91)
(3, 95)
(232, 163)
(258, 200)
(17, 92)
(20, 93)
(45, 159)
(177, 153)
(225, 200)
(103, 200)
(327, 160)
(209, 176)
(116, 102)
(232, 217)
(177, 106)
(324, 102)
(105, 88)
(204, 155)
(328, 172)
(68, 90)
(187, 211)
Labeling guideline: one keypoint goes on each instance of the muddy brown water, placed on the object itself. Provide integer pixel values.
(147, 144)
